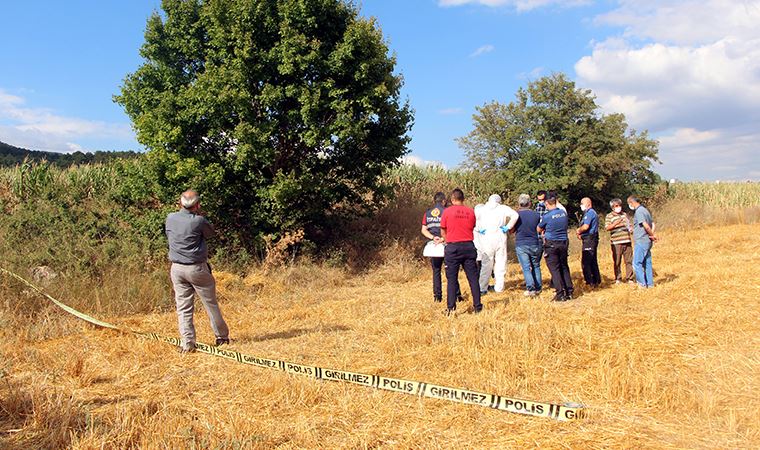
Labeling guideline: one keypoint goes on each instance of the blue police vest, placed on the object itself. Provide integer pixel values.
(433, 219)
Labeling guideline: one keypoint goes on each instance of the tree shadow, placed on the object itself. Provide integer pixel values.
(292, 333)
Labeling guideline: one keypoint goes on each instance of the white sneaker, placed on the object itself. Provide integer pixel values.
(528, 294)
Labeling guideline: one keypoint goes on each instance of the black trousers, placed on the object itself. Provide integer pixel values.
(437, 264)
(555, 254)
(456, 255)
(589, 260)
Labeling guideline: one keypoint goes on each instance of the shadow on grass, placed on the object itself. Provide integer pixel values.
(292, 333)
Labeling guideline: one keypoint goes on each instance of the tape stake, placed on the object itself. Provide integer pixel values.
(565, 412)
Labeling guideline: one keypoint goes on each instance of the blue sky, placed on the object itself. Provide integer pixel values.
(686, 70)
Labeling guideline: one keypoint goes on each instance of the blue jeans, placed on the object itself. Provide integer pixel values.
(530, 261)
(642, 264)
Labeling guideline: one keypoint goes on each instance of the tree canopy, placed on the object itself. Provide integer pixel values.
(554, 137)
(283, 113)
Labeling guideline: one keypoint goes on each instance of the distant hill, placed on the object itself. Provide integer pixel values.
(11, 156)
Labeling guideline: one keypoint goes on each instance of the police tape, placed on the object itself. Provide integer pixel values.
(563, 412)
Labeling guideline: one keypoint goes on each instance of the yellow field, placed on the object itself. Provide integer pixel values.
(677, 366)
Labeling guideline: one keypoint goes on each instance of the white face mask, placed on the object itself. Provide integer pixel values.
(631, 207)
(584, 208)
(618, 209)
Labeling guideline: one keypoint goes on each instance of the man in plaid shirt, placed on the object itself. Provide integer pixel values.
(541, 203)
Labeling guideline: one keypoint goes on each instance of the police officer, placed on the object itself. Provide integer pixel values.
(553, 226)
(431, 229)
(588, 233)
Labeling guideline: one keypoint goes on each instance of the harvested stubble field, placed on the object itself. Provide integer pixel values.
(673, 367)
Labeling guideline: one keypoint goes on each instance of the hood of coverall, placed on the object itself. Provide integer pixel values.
(489, 218)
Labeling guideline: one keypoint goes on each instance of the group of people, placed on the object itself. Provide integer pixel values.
(475, 239)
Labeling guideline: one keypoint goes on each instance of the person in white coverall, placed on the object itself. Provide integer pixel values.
(493, 222)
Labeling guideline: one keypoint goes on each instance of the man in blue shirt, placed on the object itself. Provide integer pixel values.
(644, 238)
(553, 226)
(528, 246)
(588, 233)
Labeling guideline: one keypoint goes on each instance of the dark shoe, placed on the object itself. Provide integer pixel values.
(478, 310)
(438, 298)
(220, 342)
(491, 289)
(568, 295)
(482, 293)
(560, 297)
(449, 312)
(460, 298)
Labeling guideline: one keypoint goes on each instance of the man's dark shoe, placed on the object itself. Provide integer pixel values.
(460, 298)
(438, 299)
(449, 312)
(482, 293)
(560, 297)
(220, 342)
(568, 295)
(477, 310)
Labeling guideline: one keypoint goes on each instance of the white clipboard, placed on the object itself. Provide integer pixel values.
(433, 250)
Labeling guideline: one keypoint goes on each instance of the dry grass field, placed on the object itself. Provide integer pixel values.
(677, 366)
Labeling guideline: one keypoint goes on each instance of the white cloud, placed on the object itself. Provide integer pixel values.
(449, 111)
(43, 129)
(687, 71)
(480, 51)
(519, 5)
(412, 160)
(532, 74)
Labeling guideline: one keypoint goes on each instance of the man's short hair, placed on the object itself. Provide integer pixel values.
(551, 200)
(523, 200)
(615, 202)
(634, 198)
(457, 194)
(439, 197)
(189, 199)
(540, 193)
(552, 195)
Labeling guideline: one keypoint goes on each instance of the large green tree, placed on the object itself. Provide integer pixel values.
(553, 136)
(281, 112)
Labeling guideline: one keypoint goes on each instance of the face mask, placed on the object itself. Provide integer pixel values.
(618, 209)
(631, 207)
(584, 208)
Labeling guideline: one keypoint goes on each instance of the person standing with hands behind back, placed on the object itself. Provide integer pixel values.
(431, 229)
(457, 225)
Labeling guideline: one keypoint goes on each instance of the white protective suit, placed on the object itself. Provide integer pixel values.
(476, 238)
(492, 240)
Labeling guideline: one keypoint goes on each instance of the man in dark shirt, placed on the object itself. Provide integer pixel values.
(457, 225)
(431, 229)
(528, 246)
(553, 226)
(588, 233)
(187, 231)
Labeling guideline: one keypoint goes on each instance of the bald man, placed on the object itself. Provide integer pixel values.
(187, 231)
(588, 233)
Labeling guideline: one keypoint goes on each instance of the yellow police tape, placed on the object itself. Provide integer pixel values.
(564, 412)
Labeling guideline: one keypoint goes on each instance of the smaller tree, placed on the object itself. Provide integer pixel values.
(553, 136)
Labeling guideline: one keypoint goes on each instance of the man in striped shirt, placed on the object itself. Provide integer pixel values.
(619, 226)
